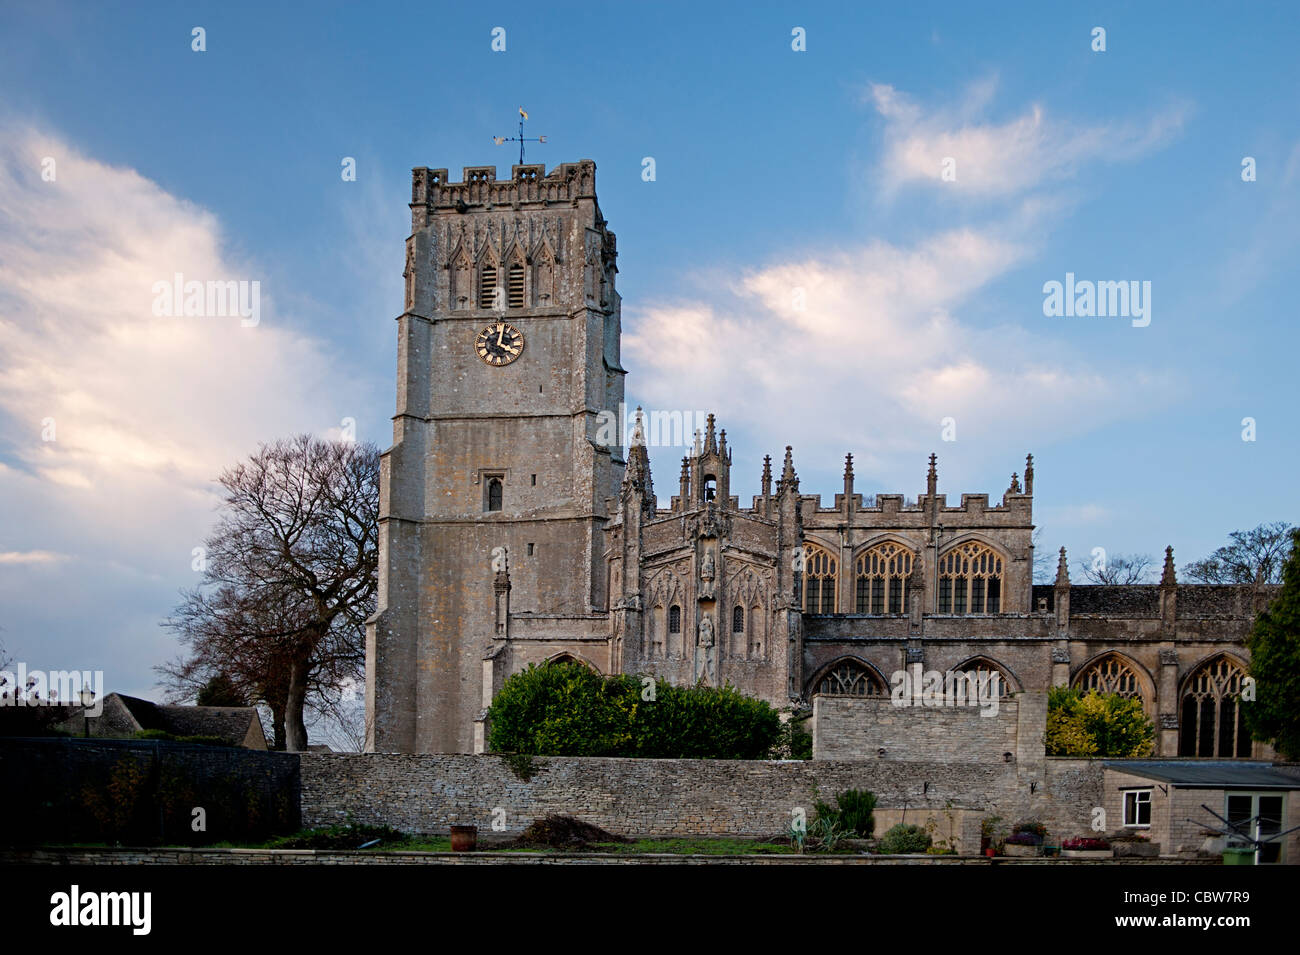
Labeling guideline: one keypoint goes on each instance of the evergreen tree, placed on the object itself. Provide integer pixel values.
(220, 691)
(1274, 644)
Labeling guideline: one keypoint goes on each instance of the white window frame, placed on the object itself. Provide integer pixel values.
(1255, 795)
(1137, 793)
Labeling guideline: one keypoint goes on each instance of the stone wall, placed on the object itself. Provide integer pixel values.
(428, 793)
(143, 792)
(855, 727)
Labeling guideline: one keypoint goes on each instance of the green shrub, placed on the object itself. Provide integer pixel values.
(904, 839)
(168, 737)
(1096, 724)
(566, 709)
(852, 812)
(794, 741)
(338, 837)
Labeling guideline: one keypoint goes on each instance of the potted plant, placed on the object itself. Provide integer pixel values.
(1082, 847)
(992, 834)
(1027, 840)
(1135, 845)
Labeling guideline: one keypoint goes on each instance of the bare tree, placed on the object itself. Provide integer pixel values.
(1251, 556)
(290, 579)
(1044, 568)
(1118, 569)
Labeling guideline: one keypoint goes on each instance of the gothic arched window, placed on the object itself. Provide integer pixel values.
(981, 670)
(515, 284)
(487, 284)
(818, 580)
(850, 678)
(674, 619)
(1211, 722)
(1110, 674)
(970, 580)
(738, 620)
(882, 574)
(494, 494)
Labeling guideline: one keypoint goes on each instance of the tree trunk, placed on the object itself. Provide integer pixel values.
(295, 728)
(277, 728)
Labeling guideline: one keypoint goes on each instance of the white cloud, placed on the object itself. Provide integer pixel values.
(884, 347)
(1001, 159)
(143, 411)
(877, 357)
(30, 557)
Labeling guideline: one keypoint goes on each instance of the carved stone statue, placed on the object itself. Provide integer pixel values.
(707, 571)
(706, 661)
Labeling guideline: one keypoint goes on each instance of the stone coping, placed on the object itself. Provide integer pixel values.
(222, 856)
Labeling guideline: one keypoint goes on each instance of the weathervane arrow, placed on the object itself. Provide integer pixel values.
(520, 139)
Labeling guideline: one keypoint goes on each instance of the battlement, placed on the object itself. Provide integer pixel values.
(432, 189)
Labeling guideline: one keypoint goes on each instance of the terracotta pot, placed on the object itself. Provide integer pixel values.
(991, 853)
(464, 838)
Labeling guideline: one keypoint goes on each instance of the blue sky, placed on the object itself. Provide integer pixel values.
(775, 170)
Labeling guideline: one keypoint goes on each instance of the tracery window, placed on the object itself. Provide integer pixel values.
(567, 658)
(882, 574)
(982, 670)
(850, 678)
(1211, 721)
(1110, 674)
(494, 494)
(970, 580)
(819, 580)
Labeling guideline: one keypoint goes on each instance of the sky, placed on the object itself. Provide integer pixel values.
(845, 246)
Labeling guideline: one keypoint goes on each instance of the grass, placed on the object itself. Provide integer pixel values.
(347, 837)
(702, 847)
(699, 846)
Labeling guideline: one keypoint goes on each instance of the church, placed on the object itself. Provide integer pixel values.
(515, 531)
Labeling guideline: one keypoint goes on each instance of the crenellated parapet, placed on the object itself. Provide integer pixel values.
(433, 191)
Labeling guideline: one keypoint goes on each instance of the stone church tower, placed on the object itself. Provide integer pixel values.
(515, 529)
(495, 490)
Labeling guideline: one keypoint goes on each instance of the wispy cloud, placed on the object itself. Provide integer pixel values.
(30, 557)
(870, 348)
(992, 159)
(113, 420)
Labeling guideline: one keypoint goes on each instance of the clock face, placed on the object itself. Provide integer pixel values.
(499, 344)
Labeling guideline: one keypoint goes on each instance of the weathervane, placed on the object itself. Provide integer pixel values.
(520, 139)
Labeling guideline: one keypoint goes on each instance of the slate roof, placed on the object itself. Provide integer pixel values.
(230, 723)
(1196, 774)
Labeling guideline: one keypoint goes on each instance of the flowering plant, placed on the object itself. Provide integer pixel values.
(1024, 839)
(1085, 844)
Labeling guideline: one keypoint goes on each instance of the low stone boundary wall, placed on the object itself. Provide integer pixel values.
(427, 794)
(143, 792)
(315, 857)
